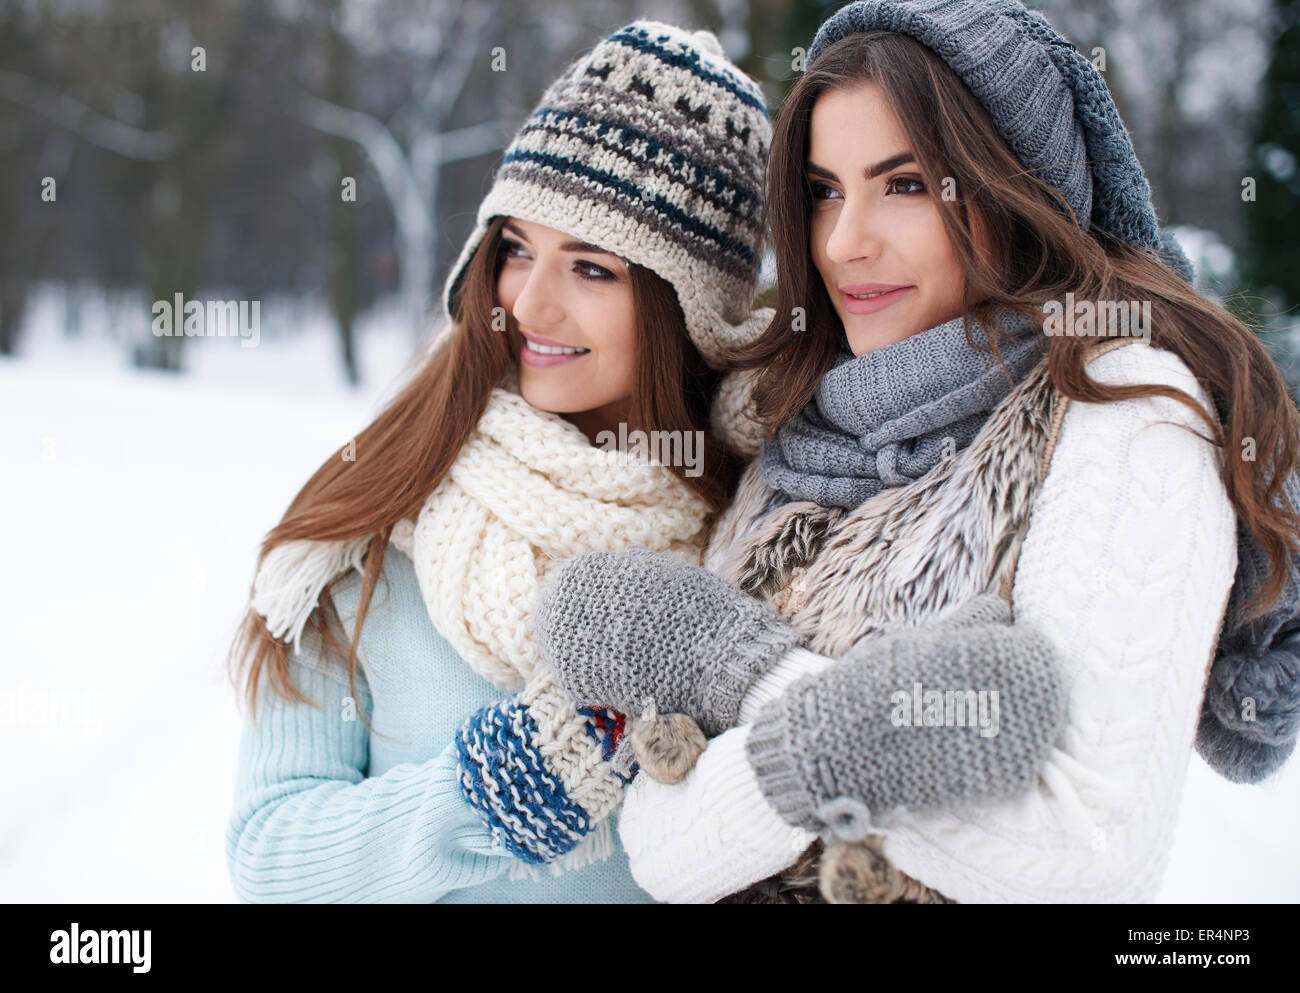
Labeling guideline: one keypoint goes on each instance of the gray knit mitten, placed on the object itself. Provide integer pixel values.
(918, 718)
(643, 628)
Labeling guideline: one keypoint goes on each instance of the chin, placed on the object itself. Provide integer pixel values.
(543, 397)
(863, 339)
(553, 396)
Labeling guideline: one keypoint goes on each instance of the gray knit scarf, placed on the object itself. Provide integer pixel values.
(888, 417)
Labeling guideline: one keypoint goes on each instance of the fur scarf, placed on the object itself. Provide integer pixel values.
(898, 559)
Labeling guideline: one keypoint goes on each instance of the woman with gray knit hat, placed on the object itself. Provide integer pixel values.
(412, 748)
(930, 528)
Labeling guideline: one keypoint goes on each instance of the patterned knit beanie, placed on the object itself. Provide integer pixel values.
(1049, 103)
(652, 146)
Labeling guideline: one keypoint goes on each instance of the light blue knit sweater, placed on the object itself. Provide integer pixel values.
(326, 812)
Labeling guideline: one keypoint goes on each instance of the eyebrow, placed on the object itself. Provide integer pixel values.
(871, 172)
(568, 246)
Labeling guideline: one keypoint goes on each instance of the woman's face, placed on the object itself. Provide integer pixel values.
(562, 294)
(875, 228)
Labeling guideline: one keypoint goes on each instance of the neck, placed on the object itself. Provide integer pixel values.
(605, 418)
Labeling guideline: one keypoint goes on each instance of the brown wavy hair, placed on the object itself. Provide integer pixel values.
(1031, 251)
(408, 448)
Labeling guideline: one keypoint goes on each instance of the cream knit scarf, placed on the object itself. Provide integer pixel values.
(527, 491)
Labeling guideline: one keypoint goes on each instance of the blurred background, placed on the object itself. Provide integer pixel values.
(325, 159)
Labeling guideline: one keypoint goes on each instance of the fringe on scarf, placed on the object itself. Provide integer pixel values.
(292, 576)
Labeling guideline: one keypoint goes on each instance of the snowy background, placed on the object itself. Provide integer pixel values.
(133, 504)
(134, 498)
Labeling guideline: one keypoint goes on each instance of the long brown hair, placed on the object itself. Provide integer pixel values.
(1035, 253)
(398, 460)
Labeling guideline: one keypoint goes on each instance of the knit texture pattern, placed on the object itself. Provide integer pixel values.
(1054, 110)
(890, 415)
(528, 491)
(904, 558)
(653, 146)
(845, 748)
(905, 555)
(1049, 103)
(642, 629)
(1251, 717)
(538, 772)
(325, 810)
(1132, 513)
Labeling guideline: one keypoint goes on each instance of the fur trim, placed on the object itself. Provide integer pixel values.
(903, 557)
(667, 745)
(913, 551)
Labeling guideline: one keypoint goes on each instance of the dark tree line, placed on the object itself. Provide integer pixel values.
(229, 176)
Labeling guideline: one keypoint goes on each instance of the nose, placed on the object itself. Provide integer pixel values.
(854, 235)
(537, 304)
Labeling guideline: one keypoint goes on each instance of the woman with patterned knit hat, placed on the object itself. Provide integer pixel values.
(950, 178)
(408, 746)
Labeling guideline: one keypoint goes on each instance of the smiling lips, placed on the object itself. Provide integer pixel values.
(867, 298)
(545, 352)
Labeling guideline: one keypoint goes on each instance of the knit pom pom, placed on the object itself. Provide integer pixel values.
(666, 747)
(859, 872)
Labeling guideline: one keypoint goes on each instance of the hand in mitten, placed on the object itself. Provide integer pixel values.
(964, 709)
(666, 748)
(831, 756)
(541, 772)
(643, 628)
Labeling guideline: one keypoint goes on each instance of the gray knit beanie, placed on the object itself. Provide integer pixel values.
(1049, 103)
(652, 146)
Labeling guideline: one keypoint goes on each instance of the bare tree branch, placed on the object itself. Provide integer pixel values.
(445, 88)
(469, 142)
(409, 171)
(448, 81)
(77, 117)
(379, 145)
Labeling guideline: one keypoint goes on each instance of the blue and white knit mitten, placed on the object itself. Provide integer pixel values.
(541, 772)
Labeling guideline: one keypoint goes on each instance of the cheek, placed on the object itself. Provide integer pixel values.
(507, 289)
(611, 325)
(956, 275)
(942, 259)
(625, 341)
(818, 233)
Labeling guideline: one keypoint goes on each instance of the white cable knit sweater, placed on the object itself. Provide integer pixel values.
(1127, 565)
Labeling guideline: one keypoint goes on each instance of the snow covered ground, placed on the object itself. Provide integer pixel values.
(133, 504)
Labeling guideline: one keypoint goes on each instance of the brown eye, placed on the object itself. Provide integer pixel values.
(593, 272)
(918, 186)
(820, 190)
